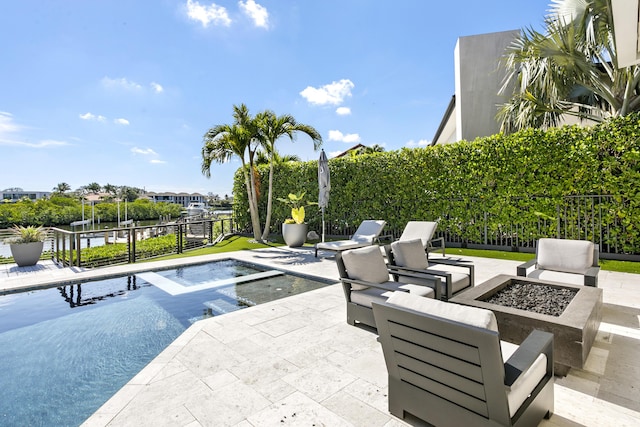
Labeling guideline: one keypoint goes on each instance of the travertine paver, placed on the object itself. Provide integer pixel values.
(296, 361)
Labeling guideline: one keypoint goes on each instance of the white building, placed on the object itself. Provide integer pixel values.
(471, 113)
(16, 194)
(183, 199)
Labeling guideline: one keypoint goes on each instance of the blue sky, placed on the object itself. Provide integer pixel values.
(120, 92)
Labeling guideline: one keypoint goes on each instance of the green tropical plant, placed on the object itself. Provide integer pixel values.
(28, 234)
(297, 203)
(271, 128)
(61, 188)
(571, 69)
(222, 142)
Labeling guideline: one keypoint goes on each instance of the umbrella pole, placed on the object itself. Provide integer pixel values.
(323, 224)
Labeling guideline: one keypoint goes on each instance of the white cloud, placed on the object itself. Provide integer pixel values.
(157, 87)
(208, 14)
(343, 111)
(256, 12)
(333, 93)
(6, 124)
(157, 162)
(121, 121)
(145, 152)
(90, 116)
(121, 82)
(334, 153)
(421, 143)
(8, 137)
(336, 135)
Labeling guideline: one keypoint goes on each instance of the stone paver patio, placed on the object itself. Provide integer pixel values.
(295, 361)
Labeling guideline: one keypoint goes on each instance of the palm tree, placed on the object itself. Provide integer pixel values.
(61, 188)
(375, 148)
(263, 159)
(271, 128)
(222, 142)
(569, 70)
(93, 187)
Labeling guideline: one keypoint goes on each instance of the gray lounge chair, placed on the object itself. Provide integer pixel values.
(564, 260)
(446, 365)
(365, 279)
(408, 256)
(424, 230)
(366, 234)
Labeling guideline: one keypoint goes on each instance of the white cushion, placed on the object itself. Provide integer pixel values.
(423, 230)
(341, 245)
(571, 256)
(479, 317)
(369, 295)
(368, 230)
(366, 264)
(526, 382)
(410, 254)
(557, 276)
(459, 278)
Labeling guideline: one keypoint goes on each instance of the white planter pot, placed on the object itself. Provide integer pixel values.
(294, 235)
(26, 254)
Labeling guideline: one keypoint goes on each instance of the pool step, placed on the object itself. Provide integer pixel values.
(174, 288)
(221, 306)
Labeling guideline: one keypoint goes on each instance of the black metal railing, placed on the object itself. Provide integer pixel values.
(94, 248)
(515, 225)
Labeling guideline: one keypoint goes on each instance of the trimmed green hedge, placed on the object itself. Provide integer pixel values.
(493, 183)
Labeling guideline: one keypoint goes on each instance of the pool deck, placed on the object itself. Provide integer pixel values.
(296, 361)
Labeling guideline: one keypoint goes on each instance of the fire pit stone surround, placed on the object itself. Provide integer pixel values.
(574, 330)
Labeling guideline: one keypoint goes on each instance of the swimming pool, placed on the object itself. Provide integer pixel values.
(66, 350)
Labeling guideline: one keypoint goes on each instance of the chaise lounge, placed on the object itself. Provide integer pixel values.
(366, 234)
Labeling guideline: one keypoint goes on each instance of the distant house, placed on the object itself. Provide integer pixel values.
(183, 199)
(354, 148)
(16, 194)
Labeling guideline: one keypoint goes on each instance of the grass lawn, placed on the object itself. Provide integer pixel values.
(242, 243)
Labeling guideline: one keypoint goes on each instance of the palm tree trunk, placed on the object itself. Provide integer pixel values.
(267, 221)
(253, 208)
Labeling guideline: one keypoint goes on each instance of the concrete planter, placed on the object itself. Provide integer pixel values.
(26, 254)
(294, 235)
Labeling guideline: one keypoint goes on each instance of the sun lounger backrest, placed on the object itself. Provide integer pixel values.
(368, 230)
(423, 230)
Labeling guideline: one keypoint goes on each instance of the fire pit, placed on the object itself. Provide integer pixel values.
(573, 317)
(535, 297)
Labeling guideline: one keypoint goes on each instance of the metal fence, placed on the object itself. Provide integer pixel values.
(94, 248)
(514, 225)
(511, 226)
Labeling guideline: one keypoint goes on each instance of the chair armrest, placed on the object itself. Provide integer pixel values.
(378, 285)
(459, 263)
(418, 274)
(388, 237)
(591, 276)
(522, 269)
(538, 342)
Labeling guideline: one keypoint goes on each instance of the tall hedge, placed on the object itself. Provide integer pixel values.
(519, 177)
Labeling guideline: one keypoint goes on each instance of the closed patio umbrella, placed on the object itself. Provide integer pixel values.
(324, 185)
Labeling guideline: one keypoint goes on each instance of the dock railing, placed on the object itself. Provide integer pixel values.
(95, 248)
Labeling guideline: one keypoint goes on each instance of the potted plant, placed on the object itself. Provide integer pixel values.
(26, 244)
(294, 229)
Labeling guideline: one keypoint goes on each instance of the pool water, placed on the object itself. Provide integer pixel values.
(65, 351)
